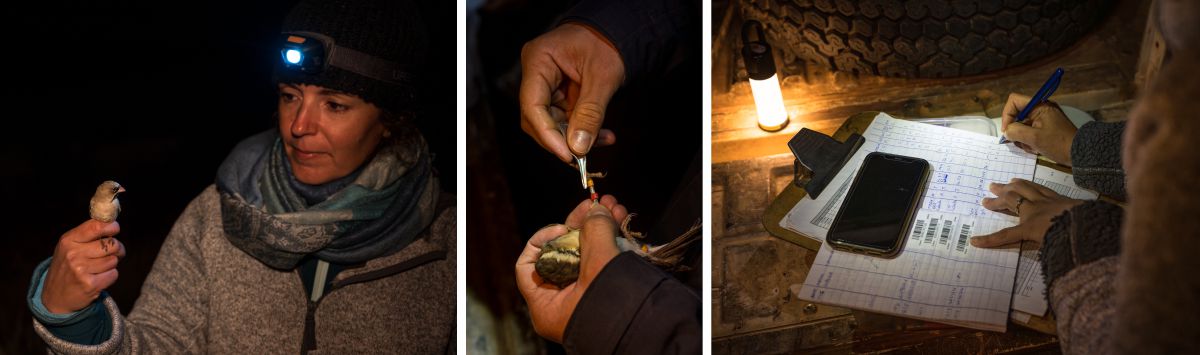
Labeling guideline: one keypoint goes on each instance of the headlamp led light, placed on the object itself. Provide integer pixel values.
(313, 53)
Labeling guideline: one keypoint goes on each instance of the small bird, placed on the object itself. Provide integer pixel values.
(558, 262)
(105, 206)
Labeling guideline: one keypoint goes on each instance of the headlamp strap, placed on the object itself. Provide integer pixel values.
(358, 62)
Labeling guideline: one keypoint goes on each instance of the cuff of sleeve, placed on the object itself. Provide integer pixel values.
(39, 309)
(1085, 233)
(111, 343)
(610, 303)
(1096, 158)
(87, 326)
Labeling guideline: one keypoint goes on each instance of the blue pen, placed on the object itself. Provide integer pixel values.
(1042, 95)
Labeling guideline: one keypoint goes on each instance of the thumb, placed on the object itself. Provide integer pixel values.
(587, 115)
(598, 242)
(1002, 237)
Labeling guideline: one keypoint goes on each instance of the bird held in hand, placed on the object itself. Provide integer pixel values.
(104, 206)
(558, 261)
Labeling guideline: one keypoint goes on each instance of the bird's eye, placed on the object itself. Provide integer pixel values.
(114, 189)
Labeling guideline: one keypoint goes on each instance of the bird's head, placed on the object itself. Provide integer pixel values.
(109, 189)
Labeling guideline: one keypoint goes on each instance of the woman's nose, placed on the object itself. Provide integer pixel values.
(304, 123)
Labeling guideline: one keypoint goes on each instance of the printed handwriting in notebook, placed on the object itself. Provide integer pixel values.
(938, 276)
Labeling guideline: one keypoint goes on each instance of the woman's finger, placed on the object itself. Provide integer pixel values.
(1013, 200)
(608, 201)
(1002, 237)
(1026, 189)
(1045, 191)
(1005, 199)
(100, 248)
(1024, 134)
(120, 247)
(606, 138)
(546, 234)
(1016, 102)
(527, 277)
(994, 204)
(620, 213)
(96, 266)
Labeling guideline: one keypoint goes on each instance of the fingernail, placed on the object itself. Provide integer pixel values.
(976, 240)
(581, 141)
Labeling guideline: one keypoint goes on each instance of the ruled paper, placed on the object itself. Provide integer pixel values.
(1030, 293)
(938, 276)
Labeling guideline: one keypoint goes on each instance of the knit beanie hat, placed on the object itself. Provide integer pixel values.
(388, 30)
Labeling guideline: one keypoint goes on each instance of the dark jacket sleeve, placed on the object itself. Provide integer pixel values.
(645, 32)
(1080, 261)
(634, 308)
(1083, 234)
(1096, 158)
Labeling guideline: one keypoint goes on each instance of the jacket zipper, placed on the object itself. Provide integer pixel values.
(309, 342)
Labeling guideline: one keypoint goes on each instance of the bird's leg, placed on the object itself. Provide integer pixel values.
(625, 228)
(592, 186)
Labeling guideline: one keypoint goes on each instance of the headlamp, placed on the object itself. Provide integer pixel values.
(313, 53)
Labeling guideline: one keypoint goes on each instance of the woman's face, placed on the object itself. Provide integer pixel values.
(326, 133)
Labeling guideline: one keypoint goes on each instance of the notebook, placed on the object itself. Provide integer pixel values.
(939, 276)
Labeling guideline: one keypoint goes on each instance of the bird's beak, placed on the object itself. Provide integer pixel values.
(120, 189)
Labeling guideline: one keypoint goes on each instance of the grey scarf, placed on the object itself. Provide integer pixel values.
(389, 202)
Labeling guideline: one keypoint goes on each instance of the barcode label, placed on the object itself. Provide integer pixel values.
(916, 231)
(945, 233)
(962, 237)
(932, 229)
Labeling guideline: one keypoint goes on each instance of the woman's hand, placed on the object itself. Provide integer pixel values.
(1046, 131)
(550, 308)
(1035, 204)
(84, 264)
(568, 75)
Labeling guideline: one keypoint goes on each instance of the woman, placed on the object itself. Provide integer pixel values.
(325, 233)
(1120, 278)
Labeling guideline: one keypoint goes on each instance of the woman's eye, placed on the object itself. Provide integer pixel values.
(336, 107)
(287, 97)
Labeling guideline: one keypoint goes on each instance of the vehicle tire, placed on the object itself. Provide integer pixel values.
(922, 38)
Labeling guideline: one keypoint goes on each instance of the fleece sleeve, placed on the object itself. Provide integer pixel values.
(170, 312)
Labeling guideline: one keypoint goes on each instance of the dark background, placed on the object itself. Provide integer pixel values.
(515, 187)
(151, 94)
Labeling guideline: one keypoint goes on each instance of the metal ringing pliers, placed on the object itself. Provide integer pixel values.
(580, 162)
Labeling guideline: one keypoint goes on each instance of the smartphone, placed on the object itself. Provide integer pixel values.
(880, 205)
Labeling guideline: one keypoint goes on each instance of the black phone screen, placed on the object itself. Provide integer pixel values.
(877, 207)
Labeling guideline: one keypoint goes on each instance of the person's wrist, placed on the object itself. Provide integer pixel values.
(1066, 152)
(56, 308)
(592, 30)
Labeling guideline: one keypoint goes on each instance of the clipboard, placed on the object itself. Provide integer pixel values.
(794, 192)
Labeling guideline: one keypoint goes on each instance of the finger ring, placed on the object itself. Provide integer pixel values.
(1020, 200)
